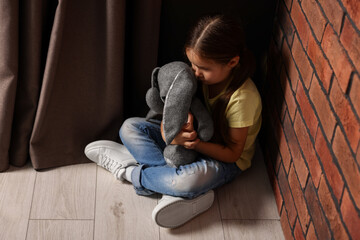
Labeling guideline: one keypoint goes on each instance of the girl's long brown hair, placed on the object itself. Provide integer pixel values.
(220, 39)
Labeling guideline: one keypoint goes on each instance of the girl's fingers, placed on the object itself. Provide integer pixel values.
(190, 118)
(191, 144)
(189, 136)
(189, 126)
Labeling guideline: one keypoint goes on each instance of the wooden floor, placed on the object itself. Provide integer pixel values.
(86, 202)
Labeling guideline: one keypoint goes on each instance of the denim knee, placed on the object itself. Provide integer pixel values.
(127, 126)
(197, 178)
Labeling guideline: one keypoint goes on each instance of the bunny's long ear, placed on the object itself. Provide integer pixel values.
(177, 103)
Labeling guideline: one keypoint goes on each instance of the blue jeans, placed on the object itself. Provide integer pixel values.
(143, 140)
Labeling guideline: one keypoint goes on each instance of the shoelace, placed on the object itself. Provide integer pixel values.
(109, 163)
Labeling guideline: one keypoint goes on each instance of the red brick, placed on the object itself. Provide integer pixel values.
(289, 67)
(330, 211)
(353, 9)
(333, 12)
(285, 21)
(332, 173)
(299, 199)
(277, 163)
(346, 115)
(358, 155)
(318, 217)
(301, 170)
(354, 93)
(351, 41)
(315, 17)
(288, 4)
(285, 226)
(322, 107)
(348, 165)
(288, 95)
(298, 234)
(283, 111)
(284, 151)
(307, 110)
(311, 235)
(322, 67)
(287, 197)
(302, 62)
(337, 57)
(278, 198)
(307, 149)
(350, 216)
(300, 23)
(298, 160)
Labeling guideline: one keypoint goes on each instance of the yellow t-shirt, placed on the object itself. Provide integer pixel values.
(243, 110)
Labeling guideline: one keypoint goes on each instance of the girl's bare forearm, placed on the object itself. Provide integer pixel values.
(218, 152)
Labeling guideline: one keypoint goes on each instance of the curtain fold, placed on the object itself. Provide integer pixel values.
(72, 71)
(62, 77)
(35, 25)
(8, 74)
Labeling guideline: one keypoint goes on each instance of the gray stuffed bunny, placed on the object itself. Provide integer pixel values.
(172, 94)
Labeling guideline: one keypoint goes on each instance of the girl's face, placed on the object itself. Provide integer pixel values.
(209, 71)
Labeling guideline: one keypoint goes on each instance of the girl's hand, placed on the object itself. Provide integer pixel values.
(187, 137)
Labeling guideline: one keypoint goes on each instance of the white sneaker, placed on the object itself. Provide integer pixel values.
(112, 156)
(172, 212)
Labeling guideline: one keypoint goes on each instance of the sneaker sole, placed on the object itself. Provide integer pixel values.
(181, 211)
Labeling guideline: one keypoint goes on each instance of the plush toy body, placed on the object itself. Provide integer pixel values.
(172, 94)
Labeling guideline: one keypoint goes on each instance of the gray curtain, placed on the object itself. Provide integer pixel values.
(66, 75)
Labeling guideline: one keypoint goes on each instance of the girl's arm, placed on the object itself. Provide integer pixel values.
(187, 132)
(230, 153)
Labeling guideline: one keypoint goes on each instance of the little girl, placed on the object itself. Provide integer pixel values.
(217, 53)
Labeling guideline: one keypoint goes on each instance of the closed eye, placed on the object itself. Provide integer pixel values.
(200, 67)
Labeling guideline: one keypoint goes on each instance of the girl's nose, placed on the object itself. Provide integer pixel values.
(196, 71)
(197, 74)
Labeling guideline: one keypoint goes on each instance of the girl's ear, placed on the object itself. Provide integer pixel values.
(234, 61)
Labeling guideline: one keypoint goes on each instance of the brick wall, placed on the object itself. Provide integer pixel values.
(310, 134)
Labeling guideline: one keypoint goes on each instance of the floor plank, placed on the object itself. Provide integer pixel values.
(206, 226)
(65, 193)
(253, 229)
(17, 186)
(86, 202)
(120, 213)
(60, 229)
(250, 195)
